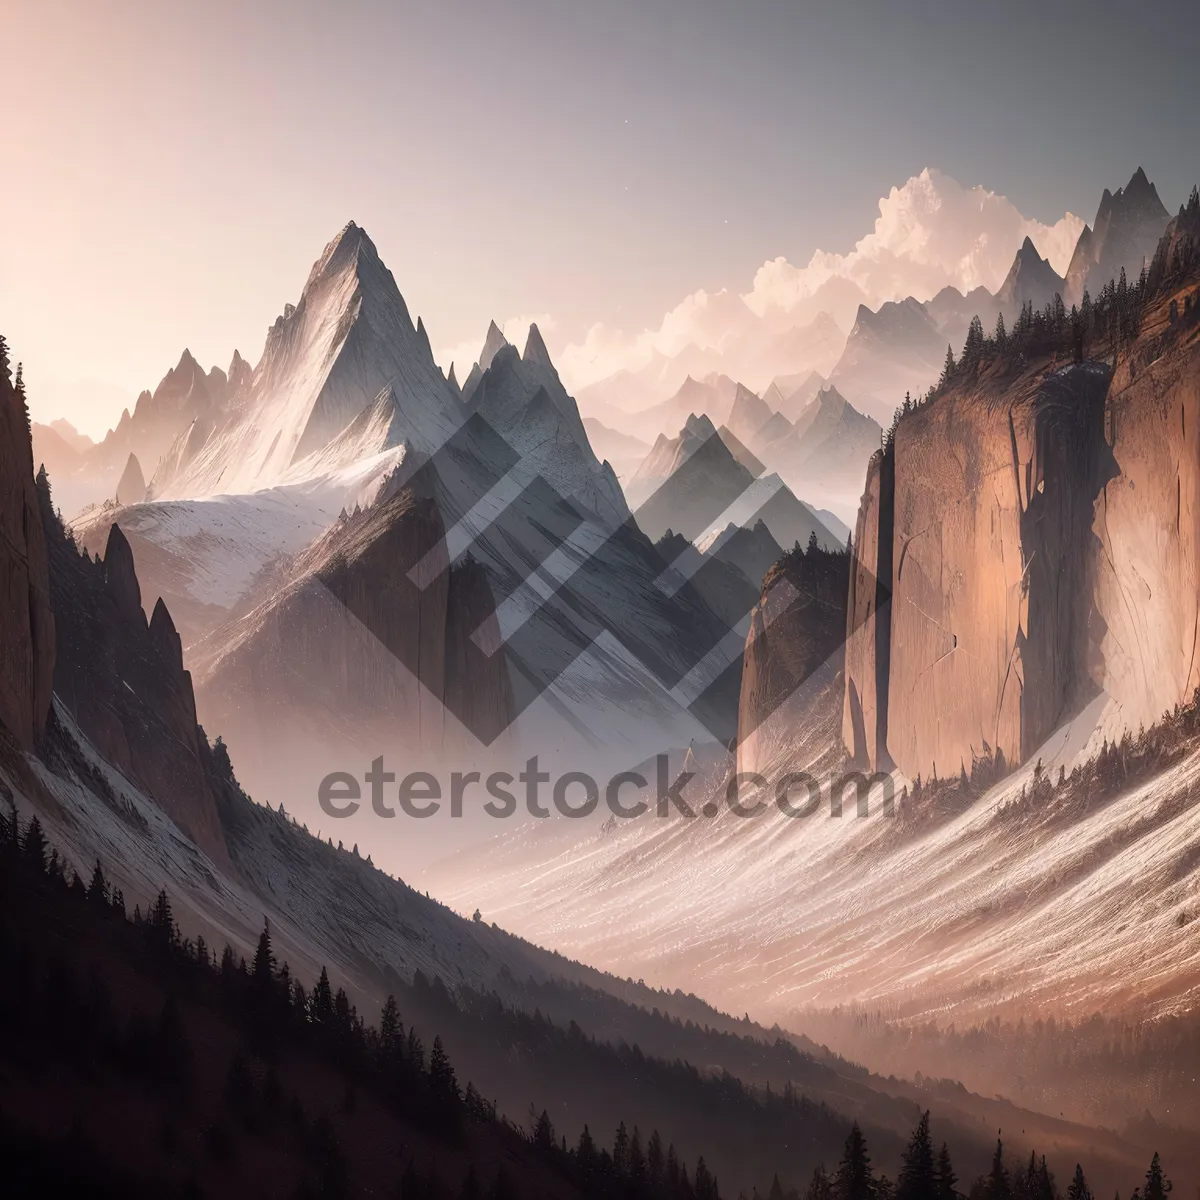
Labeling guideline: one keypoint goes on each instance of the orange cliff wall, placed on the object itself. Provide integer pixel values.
(1147, 519)
(990, 573)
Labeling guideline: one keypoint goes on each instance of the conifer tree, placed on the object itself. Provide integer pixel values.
(264, 959)
(1078, 1188)
(620, 1153)
(34, 844)
(917, 1180)
(945, 1180)
(1157, 1186)
(637, 1158)
(543, 1131)
(442, 1080)
(321, 1004)
(948, 369)
(586, 1154)
(998, 1186)
(655, 1162)
(820, 1186)
(98, 888)
(706, 1181)
(854, 1179)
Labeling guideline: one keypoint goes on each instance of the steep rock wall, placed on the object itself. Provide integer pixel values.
(868, 618)
(992, 568)
(1147, 520)
(797, 628)
(26, 623)
(124, 682)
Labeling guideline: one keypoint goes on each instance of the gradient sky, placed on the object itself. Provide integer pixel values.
(172, 169)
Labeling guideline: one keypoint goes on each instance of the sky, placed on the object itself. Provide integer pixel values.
(173, 169)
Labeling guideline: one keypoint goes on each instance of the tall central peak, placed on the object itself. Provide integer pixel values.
(492, 345)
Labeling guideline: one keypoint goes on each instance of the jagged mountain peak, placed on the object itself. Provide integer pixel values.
(535, 349)
(699, 425)
(492, 345)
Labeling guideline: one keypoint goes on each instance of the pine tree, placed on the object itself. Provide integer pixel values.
(34, 845)
(442, 1081)
(264, 960)
(854, 1179)
(947, 370)
(674, 1172)
(998, 1185)
(706, 1181)
(1078, 1188)
(655, 1162)
(391, 1030)
(917, 1180)
(162, 920)
(1157, 1186)
(321, 1004)
(543, 1131)
(945, 1180)
(586, 1154)
(620, 1154)
(820, 1186)
(98, 888)
(637, 1158)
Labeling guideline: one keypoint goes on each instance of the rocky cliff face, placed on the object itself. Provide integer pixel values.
(798, 626)
(1148, 519)
(868, 618)
(26, 623)
(1044, 545)
(124, 683)
(990, 574)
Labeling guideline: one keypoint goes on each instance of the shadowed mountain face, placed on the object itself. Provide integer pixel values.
(751, 549)
(895, 350)
(1030, 280)
(368, 645)
(826, 450)
(1123, 237)
(123, 681)
(27, 637)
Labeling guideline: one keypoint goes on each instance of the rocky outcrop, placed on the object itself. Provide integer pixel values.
(132, 486)
(26, 623)
(124, 682)
(797, 627)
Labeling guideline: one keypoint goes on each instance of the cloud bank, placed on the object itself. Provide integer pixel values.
(930, 233)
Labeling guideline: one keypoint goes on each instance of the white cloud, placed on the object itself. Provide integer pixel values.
(930, 233)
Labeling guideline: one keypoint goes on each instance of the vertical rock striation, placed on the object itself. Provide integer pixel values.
(868, 618)
(1148, 519)
(988, 561)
